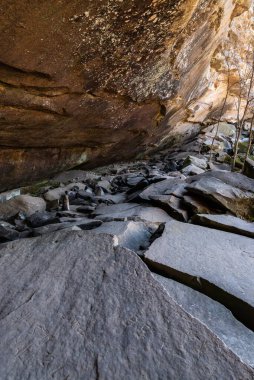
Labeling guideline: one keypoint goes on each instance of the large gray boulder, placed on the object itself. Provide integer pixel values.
(22, 203)
(82, 223)
(75, 306)
(219, 264)
(232, 191)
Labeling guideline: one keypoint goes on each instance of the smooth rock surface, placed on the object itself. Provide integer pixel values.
(226, 223)
(215, 316)
(219, 264)
(22, 203)
(73, 305)
(83, 224)
(126, 210)
(132, 235)
(174, 186)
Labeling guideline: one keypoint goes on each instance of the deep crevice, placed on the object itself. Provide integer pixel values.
(240, 309)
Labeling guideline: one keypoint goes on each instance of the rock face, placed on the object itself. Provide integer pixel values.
(93, 82)
(90, 310)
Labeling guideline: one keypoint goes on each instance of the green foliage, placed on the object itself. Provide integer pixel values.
(38, 188)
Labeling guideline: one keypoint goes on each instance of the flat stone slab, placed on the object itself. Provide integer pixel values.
(219, 264)
(132, 235)
(127, 210)
(75, 306)
(172, 186)
(215, 316)
(82, 223)
(226, 223)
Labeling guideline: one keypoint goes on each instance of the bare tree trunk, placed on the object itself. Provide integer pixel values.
(221, 114)
(240, 130)
(250, 140)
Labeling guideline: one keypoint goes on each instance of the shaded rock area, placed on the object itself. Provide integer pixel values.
(91, 292)
(225, 223)
(215, 316)
(151, 191)
(89, 309)
(126, 77)
(249, 168)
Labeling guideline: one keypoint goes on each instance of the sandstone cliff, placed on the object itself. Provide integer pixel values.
(89, 82)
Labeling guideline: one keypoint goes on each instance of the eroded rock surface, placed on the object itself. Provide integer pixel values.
(97, 81)
(91, 310)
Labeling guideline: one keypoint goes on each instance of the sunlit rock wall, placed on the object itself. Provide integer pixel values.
(91, 82)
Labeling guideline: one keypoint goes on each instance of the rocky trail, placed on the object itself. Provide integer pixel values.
(145, 269)
(127, 190)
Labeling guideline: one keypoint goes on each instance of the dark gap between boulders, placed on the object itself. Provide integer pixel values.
(241, 310)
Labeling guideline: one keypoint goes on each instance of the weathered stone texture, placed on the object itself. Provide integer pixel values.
(97, 81)
(75, 306)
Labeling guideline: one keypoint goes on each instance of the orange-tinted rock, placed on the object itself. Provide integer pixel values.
(100, 81)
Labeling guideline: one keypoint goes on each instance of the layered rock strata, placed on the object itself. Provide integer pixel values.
(89, 82)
